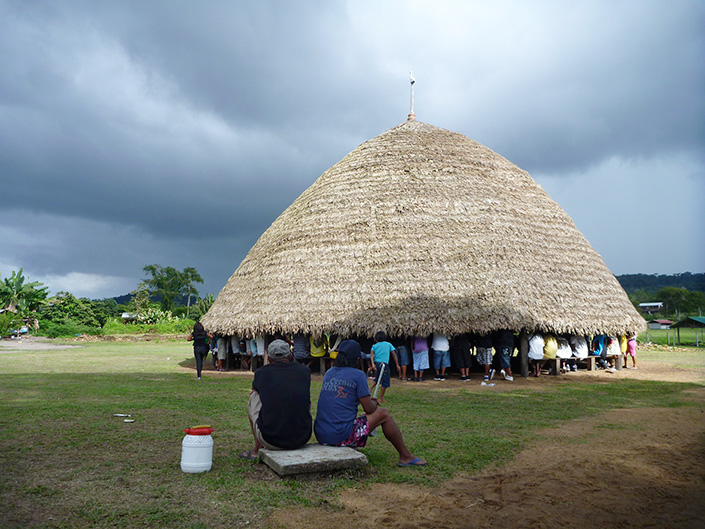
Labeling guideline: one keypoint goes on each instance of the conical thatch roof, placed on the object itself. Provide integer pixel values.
(419, 230)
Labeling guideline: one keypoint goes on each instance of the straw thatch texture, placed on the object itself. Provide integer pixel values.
(419, 230)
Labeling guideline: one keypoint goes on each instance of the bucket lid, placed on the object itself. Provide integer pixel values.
(204, 429)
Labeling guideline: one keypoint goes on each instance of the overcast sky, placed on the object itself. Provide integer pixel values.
(174, 133)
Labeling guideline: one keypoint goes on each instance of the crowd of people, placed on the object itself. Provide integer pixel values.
(417, 358)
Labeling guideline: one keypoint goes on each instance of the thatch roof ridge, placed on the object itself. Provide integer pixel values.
(417, 230)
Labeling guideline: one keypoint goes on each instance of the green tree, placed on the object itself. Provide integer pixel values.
(202, 306)
(140, 301)
(696, 303)
(675, 300)
(165, 283)
(104, 309)
(169, 284)
(20, 297)
(65, 308)
(190, 276)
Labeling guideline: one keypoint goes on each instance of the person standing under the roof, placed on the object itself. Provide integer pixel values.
(550, 347)
(460, 354)
(221, 351)
(536, 344)
(302, 349)
(419, 353)
(441, 355)
(579, 346)
(318, 346)
(345, 388)
(596, 344)
(484, 355)
(600, 343)
(379, 358)
(565, 353)
(259, 349)
(631, 351)
(279, 408)
(402, 347)
(623, 348)
(613, 351)
(503, 342)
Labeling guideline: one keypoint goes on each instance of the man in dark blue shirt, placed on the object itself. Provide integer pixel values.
(344, 389)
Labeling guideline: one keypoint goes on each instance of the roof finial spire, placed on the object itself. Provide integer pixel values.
(412, 116)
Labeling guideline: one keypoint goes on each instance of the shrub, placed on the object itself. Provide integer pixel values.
(9, 321)
(65, 329)
(175, 326)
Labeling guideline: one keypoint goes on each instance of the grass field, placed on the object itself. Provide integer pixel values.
(67, 462)
(688, 337)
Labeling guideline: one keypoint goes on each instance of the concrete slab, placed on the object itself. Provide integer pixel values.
(312, 458)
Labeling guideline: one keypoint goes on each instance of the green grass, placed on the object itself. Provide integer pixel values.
(683, 357)
(669, 337)
(67, 462)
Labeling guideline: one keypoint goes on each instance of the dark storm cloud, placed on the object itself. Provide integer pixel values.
(174, 133)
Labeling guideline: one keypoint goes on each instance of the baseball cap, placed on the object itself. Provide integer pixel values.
(279, 349)
(350, 349)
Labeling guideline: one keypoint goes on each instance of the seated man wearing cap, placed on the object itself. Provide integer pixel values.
(344, 388)
(280, 403)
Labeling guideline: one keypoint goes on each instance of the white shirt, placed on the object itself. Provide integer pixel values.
(536, 347)
(564, 350)
(580, 345)
(440, 342)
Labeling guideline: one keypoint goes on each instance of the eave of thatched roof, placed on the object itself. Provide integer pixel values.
(420, 230)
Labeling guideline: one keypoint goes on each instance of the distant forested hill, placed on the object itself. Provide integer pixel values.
(653, 283)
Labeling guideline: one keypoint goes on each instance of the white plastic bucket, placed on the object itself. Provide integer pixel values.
(197, 450)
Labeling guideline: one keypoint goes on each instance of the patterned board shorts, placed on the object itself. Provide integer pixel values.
(360, 432)
(484, 355)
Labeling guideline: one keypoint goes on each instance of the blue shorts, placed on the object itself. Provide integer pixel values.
(441, 359)
(505, 355)
(385, 382)
(403, 354)
(420, 360)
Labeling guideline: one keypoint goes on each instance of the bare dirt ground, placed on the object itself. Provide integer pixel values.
(30, 343)
(625, 468)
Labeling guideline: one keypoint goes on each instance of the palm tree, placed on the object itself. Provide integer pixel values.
(20, 297)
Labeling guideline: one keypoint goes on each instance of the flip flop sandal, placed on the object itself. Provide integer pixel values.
(412, 463)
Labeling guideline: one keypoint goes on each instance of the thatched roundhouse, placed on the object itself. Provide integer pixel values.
(420, 230)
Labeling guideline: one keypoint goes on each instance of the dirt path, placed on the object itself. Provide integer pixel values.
(30, 343)
(625, 468)
(650, 473)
